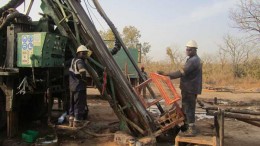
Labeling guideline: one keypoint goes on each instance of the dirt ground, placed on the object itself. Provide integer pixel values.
(237, 133)
(103, 123)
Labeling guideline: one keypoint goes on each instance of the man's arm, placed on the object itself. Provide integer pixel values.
(189, 66)
(82, 70)
(172, 75)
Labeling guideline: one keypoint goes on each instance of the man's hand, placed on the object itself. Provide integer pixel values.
(161, 72)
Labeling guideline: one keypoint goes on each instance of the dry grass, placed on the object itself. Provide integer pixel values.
(213, 75)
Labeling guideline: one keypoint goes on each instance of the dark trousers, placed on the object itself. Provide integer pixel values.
(78, 104)
(189, 106)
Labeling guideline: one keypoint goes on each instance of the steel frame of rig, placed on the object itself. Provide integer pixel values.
(72, 23)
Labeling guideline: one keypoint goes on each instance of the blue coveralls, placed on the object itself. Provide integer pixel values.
(190, 85)
(78, 102)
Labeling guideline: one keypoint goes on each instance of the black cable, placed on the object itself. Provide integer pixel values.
(90, 5)
(88, 11)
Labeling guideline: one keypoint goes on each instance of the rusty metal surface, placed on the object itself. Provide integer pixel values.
(169, 119)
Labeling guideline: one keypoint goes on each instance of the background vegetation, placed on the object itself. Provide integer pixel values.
(237, 62)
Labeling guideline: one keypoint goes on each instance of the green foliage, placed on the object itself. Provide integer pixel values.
(145, 48)
(131, 36)
(108, 37)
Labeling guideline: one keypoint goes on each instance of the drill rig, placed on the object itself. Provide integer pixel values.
(34, 61)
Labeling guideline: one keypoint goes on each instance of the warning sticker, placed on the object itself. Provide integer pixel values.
(24, 38)
(30, 46)
(37, 40)
(27, 49)
(26, 57)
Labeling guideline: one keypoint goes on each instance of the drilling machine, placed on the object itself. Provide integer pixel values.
(34, 62)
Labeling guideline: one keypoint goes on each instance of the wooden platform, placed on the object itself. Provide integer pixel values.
(200, 139)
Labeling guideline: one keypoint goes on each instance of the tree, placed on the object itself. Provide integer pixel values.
(238, 52)
(171, 55)
(222, 55)
(146, 48)
(208, 66)
(247, 17)
(131, 36)
(176, 57)
(109, 37)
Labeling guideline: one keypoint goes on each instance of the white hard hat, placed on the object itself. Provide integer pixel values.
(192, 43)
(82, 48)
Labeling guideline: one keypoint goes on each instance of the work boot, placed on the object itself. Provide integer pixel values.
(191, 131)
(184, 127)
(71, 119)
(78, 123)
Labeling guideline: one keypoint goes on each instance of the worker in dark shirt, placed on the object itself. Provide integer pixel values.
(143, 72)
(77, 82)
(141, 80)
(190, 85)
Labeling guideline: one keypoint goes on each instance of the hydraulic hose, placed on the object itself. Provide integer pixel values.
(11, 4)
(10, 18)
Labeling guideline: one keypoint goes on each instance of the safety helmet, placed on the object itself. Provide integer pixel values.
(82, 48)
(192, 43)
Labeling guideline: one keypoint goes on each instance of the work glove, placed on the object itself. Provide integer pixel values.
(161, 72)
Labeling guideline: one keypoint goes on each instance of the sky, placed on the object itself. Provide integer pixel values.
(164, 23)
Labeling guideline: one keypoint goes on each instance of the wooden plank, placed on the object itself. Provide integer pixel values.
(205, 140)
(12, 123)
(8, 73)
(221, 127)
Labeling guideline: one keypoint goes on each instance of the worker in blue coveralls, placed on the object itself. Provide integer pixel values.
(77, 81)
(190, 85)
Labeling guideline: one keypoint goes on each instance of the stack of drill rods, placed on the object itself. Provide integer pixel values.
(241, 111)
(250, 117)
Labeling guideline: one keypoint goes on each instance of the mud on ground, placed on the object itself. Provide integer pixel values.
(103, 123)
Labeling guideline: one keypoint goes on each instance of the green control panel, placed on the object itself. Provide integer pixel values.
(40, 49)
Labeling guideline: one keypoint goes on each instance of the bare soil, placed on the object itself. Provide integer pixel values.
(103, 123)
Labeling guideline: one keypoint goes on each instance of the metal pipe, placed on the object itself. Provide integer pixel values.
(235, 110)
(236, 115)
(113, 28)
(29, 8)
(125, 93)
(250, 122)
